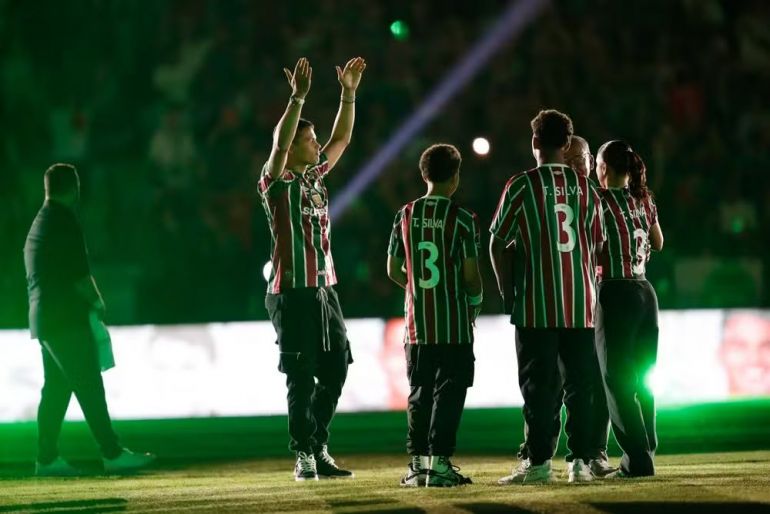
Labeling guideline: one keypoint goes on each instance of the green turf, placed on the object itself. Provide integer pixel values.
(723, 483)
(729, 426)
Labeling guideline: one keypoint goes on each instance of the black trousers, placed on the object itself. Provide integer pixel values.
(627, 346)
(314, 355)
(545, 355)
(71, 364)
(439, 378)
(600, 425)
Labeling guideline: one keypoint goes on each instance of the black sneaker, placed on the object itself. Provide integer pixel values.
(443, 473)
(327, 468)
(305, 469)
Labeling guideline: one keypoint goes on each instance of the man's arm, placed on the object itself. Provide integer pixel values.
(396, 270)
(499, 262)
(349, 78)
(287, 126)
(472, 285)
(472, 277)
(509, 271)
(86, 288)
(656, 237)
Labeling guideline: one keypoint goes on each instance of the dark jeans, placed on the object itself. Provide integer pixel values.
(71, 364)
(627, 346)
(439, 376)
(315, 365)
(545, 355)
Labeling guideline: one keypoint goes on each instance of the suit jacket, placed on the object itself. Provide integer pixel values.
(56, 258)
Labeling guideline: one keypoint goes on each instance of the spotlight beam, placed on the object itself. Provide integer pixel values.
(512, 22)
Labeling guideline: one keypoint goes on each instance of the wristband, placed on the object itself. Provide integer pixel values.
(347, 100)
(296, 100)
(476, 300)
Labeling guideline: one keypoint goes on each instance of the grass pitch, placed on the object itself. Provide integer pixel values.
(723, 483)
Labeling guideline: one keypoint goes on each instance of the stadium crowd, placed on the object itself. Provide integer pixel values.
(169, 117)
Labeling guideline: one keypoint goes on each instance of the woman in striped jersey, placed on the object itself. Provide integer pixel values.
(627, 311)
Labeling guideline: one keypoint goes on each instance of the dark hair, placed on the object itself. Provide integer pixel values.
(60, 179)
(439, 163)
(624, 160)
(302, 124)
(552, 128)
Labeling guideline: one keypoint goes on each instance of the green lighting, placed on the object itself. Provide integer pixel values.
(652, 381)
(400, 30)
(738, 225)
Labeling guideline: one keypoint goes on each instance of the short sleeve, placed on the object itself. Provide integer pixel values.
(599, 227)
(396, 244)
(471, 244)
(504, 220)
(265, 180)
(653, 211)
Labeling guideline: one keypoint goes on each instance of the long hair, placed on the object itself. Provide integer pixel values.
(624, 160)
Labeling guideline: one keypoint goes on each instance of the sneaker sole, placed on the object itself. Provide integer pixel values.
(303, 479)
(539, 481)
(336, 477)
(443, 485)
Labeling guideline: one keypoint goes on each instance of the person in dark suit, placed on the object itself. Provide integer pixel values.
(63, 304)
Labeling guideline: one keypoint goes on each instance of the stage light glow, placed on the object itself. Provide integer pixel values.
(481, 146)
(512, 22)
(400, 30)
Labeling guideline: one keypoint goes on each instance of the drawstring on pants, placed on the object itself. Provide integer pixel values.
(323, 297)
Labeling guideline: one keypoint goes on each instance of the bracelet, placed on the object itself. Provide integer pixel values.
(348, 101)
(296, 100)
(476, 300)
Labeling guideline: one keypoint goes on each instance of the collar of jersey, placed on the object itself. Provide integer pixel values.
(553, 164)
(436, 197)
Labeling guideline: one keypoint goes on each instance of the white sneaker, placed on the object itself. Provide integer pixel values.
(526, 473)
(579, 472)
(57, 468)
(128, 461)
(305, 468)
(600, 468)
(416, 472)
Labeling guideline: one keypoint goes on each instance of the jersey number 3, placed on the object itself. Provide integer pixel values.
(565, 227)
(430, 265)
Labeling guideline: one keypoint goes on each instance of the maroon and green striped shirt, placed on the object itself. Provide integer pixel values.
(629, 220)
(297, 208)
(553, 216)
(434, 235)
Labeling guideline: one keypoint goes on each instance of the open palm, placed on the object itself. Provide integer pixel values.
(350, 76)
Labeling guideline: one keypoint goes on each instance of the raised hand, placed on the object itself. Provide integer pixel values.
(350, 76)
(300, 79)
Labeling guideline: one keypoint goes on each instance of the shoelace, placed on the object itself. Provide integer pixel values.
(306, 462)
(453, 469)
(324, 456)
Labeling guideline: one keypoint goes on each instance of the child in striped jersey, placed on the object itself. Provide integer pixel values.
(433, 255)
(552, 215)
(627, 309)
